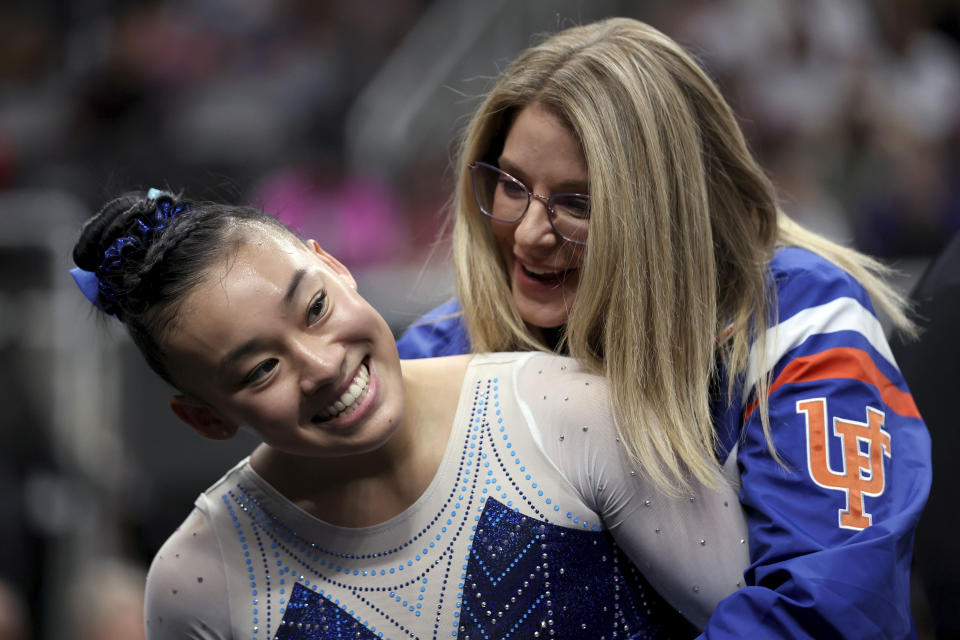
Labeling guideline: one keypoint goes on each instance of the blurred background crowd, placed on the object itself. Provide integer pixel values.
(341, 117)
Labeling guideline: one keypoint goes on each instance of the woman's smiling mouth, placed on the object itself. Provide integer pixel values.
(546, 276)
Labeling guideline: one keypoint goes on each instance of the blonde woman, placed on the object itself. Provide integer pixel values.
(607, 206)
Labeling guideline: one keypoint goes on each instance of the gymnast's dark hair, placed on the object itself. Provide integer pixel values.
(149, 253)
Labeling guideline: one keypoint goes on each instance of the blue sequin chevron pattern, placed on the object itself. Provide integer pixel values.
(525, 579)
(310, 616)
(530, 579)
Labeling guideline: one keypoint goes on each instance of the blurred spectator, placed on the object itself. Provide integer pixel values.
(791, 71)
(911, 105)
(357, 217)
(25, 455)
(917, 208)
(27, 50)
(107, 602)
(14, 621)
(915, 90)
(855, 107)
(6, 161)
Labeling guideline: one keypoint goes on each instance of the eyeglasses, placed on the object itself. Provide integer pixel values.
(506, 199)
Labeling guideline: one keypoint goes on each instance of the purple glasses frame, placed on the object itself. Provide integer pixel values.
(547, 200)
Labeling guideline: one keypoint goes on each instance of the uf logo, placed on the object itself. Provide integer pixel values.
(862, 472)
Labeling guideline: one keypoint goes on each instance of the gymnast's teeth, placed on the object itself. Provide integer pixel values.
(348, 401)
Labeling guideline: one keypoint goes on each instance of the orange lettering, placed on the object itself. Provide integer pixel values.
(862, 473)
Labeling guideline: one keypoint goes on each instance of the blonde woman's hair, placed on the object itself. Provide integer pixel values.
(683, 226)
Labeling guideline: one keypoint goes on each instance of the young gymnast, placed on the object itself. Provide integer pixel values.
(469, 496)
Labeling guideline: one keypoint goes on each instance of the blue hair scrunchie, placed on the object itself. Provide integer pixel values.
(93, 285)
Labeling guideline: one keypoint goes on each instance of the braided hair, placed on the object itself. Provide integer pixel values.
(148, 251)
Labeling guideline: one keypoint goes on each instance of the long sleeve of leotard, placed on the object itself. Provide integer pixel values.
(186, 594)
(831, 529)
(691, 547)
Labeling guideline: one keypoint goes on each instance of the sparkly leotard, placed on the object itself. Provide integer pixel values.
(519, 535)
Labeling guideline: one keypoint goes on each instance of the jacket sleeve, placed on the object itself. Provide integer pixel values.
(439, 332)
(831, 528)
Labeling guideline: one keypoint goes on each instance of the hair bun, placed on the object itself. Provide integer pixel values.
(99, 232)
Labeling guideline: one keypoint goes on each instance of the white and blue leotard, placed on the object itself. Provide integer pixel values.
(535, 525)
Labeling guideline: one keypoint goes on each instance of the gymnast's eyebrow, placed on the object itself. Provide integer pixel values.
(292, 289)
(256, 344)
(238, 354)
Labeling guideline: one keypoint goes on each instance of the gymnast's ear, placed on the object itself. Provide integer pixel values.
(333, 264)
(202, 418)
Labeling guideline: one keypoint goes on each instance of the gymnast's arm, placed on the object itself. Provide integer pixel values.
(186, 587)
(692, 548)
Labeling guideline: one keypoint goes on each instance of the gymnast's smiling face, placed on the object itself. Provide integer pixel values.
(277, 338)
